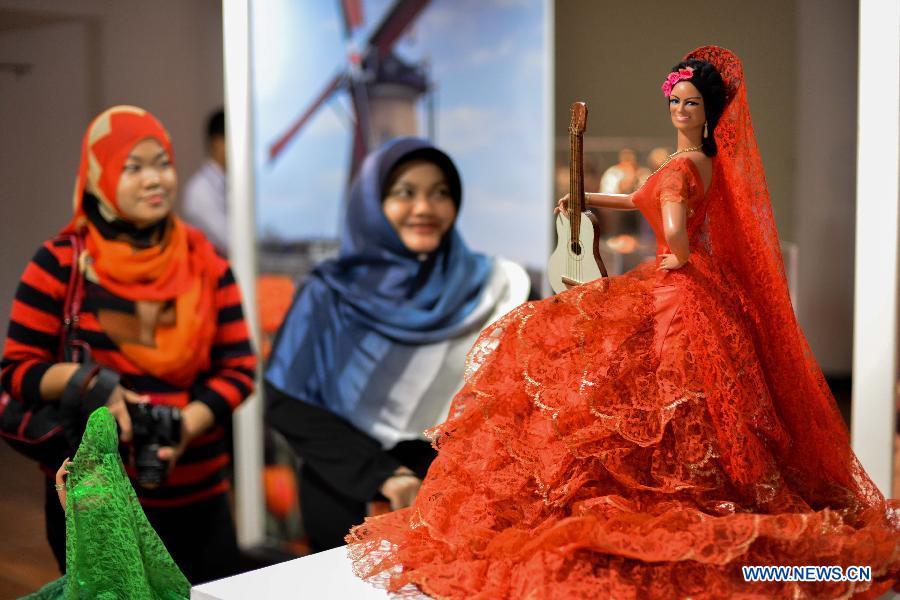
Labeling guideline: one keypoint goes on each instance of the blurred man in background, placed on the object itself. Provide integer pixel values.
(205, 204)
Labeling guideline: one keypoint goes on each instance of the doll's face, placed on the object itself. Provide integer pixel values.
(146, 189)
(418, 205)
(686, 107)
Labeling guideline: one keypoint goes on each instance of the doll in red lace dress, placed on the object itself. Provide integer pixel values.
(650, 438)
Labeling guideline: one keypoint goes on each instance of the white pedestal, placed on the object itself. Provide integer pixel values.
(325, 575)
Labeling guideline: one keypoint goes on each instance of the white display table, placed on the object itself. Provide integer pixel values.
(324, 575)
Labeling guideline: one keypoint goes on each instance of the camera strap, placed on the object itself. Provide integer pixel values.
(103, 387)
(78, 401)
(71, 349)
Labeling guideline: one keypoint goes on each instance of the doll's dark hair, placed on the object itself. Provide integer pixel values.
(709, 82)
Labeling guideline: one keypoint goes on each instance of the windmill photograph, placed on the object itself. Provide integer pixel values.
(383, 89)
(332, 81)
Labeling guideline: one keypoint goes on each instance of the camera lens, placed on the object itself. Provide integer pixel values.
(151, 470)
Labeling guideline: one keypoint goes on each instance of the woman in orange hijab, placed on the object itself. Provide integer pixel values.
(162, 317)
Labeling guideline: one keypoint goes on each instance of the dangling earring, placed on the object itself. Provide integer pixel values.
(705, 131)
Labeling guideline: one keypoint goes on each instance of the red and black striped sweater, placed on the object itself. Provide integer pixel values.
(33, 339)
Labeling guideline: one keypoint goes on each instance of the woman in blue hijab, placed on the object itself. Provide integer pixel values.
(373, 347)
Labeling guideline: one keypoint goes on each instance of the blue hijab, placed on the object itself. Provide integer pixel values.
(357, 321)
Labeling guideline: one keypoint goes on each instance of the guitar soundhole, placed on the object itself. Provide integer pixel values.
(576, 248)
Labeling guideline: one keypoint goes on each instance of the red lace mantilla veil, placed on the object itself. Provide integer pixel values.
(589, 456)
(743, 235)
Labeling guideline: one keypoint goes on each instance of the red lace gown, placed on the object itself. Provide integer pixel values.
(623, 444)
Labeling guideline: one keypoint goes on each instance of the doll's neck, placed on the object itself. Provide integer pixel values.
(687, 139)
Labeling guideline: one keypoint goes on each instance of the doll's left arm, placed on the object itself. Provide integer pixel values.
(674, 216)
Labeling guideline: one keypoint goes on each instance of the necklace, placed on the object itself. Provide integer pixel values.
(673, 155)
(691, 149)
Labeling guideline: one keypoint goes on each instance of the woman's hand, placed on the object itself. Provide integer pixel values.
(562, 205)
(670, 262)
(61, 476)
(401, 488)
(196, 419)
(118, 409)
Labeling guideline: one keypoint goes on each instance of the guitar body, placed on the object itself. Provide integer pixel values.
(581, 263)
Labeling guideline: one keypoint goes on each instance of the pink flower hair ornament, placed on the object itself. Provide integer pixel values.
(674, 77)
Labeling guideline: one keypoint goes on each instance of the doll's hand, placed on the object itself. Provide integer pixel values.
(670, 262)
(61, 476)
(562, 205)
(401, 488)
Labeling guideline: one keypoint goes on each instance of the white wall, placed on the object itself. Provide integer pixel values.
(40, 141)
(165, 56)
(877, 242)
(824, 188)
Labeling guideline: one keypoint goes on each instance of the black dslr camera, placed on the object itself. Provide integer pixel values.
(153, 426)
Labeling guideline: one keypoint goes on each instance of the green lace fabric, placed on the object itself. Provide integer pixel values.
(112, 551)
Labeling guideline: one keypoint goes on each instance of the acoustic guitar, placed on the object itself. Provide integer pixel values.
(576, 259)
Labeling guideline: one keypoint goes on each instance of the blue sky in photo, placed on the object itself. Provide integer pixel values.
(490, 65)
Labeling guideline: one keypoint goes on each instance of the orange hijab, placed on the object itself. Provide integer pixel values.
(175, 271)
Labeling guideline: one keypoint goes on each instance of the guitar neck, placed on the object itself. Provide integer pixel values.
(576, 172)
(576, 184)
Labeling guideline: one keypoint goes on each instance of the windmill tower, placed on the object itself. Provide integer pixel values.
(384, 89)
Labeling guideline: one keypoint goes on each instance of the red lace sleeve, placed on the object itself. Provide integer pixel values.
(677, 183)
